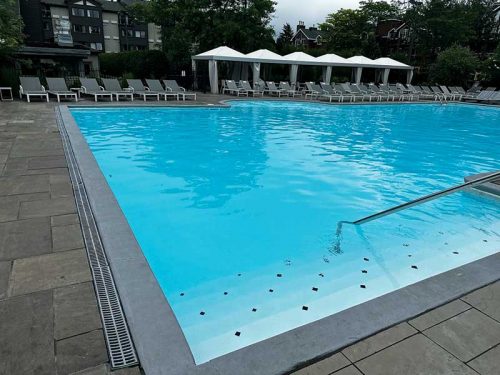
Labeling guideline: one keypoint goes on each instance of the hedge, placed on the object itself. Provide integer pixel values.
(139, 64)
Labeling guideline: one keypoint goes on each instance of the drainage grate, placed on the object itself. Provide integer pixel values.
(119, 342)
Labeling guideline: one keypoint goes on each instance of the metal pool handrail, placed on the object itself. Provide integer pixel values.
(490, 177)
(426, 198)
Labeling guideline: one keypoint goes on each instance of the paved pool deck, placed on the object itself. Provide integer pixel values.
(49, 321)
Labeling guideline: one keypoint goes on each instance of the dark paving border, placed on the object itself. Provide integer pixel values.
(159, 340)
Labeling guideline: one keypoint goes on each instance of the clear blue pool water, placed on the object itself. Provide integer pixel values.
(236, 208)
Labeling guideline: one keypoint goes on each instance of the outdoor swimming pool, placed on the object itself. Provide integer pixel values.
(236, 208)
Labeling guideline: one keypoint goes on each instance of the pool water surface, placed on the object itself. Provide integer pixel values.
(236, 208)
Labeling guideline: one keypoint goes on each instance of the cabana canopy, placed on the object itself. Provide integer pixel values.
(295, 59)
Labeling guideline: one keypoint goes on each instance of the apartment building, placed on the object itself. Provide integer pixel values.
(74, 32)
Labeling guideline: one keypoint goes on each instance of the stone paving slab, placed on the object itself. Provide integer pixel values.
(439, 315)
(4, 278)
(24, 238)
(62, 220)
(325, 366)
(351, 370)
(9, 205)
(26, 335)
(49, 271)
(48, 207)
(67, 237)
(466, 335)
(105, 370)
(75, 310)
(12, 185)
(488, 363)
(378, 342)
(487, 300)
(80, 352)
(415, 355)
(47, 162)
(60, 186)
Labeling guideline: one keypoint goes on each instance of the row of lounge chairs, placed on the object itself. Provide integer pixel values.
(111, 89)
(352, 92)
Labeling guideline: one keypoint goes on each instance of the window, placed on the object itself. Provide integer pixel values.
(96, 46)
(123, 32)
(94, 29)
(78, 12)
(123, 19)
(46, 12)
(140, 34)
(47, 26)
(130, 32)
(92, 13)
(79, 28)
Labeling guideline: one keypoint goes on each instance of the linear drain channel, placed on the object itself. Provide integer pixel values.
(119, 342)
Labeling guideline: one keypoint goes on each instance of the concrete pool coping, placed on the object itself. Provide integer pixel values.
(158, 338)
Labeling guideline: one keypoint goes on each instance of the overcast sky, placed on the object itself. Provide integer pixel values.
(309, 11)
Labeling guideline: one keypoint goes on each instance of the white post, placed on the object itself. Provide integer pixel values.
(255, 73)
(385, 77)
(327, 74)
(213, 76)
(357, 75)
(409, 76)
(294, 69)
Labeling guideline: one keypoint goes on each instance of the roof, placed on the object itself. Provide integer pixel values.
(301, 58)
(333, 59)
(221, 53)
(387, 61)
(109, 6)
(225, 53)
(310, 34)
(49, 51)
(264, 55)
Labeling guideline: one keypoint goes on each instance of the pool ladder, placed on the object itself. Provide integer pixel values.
(479, 181)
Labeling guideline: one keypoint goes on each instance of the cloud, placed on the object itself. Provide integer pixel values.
(309, 11)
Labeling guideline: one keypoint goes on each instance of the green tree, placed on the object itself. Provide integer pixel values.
(492, 68)
(283, 42)
(375, 11)
(10, 27)
(190, 26)
(454, 66)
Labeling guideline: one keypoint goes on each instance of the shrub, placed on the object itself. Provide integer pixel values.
(139, 64)
(454, 66)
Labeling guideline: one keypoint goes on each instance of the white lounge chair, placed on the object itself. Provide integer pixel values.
(172, 85)
(271, 89)
(113, 86)
(138, 88)
(57, 87)
(289, 90)
(90, 87)
(31, 86)
(230, 86)
(245, 85)
(155, 85)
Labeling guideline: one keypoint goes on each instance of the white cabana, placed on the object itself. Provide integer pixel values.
(387, 64)
(298, 58)
(295, 59)
(263, 56)
(218, 54)
(358, 63)
(331, 60)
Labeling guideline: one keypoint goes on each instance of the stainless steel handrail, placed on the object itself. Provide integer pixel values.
(490, 177)
(426, 198)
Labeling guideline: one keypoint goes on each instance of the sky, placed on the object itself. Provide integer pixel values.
(309, 11)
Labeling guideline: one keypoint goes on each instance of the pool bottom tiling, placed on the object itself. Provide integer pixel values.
(236, 209)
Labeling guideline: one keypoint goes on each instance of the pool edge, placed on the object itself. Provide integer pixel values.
(162, 347)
